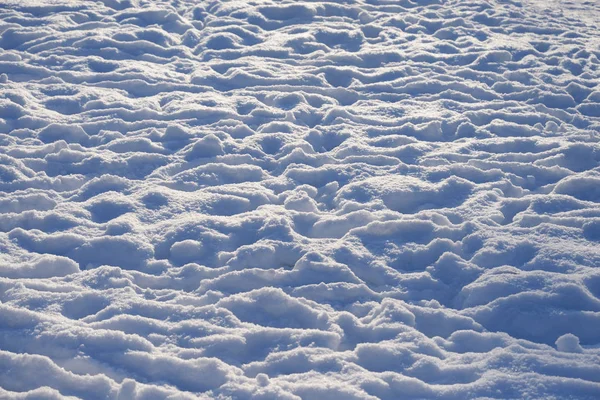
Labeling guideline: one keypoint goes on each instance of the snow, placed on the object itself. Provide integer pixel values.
(299, 199)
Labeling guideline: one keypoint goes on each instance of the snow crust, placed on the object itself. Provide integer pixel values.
(361, 199)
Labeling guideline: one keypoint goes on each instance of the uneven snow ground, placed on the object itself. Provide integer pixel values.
(317, 200)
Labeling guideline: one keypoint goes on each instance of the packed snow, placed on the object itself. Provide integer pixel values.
(357, 199)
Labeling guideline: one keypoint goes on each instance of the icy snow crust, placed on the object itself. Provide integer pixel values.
(316, 200)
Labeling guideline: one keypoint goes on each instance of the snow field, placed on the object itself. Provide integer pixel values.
(299, 200)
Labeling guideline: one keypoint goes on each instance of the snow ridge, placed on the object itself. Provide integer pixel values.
(363, 199)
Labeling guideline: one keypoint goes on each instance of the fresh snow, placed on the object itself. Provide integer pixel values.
(358, 199)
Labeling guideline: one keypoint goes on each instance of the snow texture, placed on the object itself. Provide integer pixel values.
(358, 199)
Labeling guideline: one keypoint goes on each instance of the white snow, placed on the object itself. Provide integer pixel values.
(359, 199)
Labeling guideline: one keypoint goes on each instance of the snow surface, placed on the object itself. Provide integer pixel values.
(261, 199)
